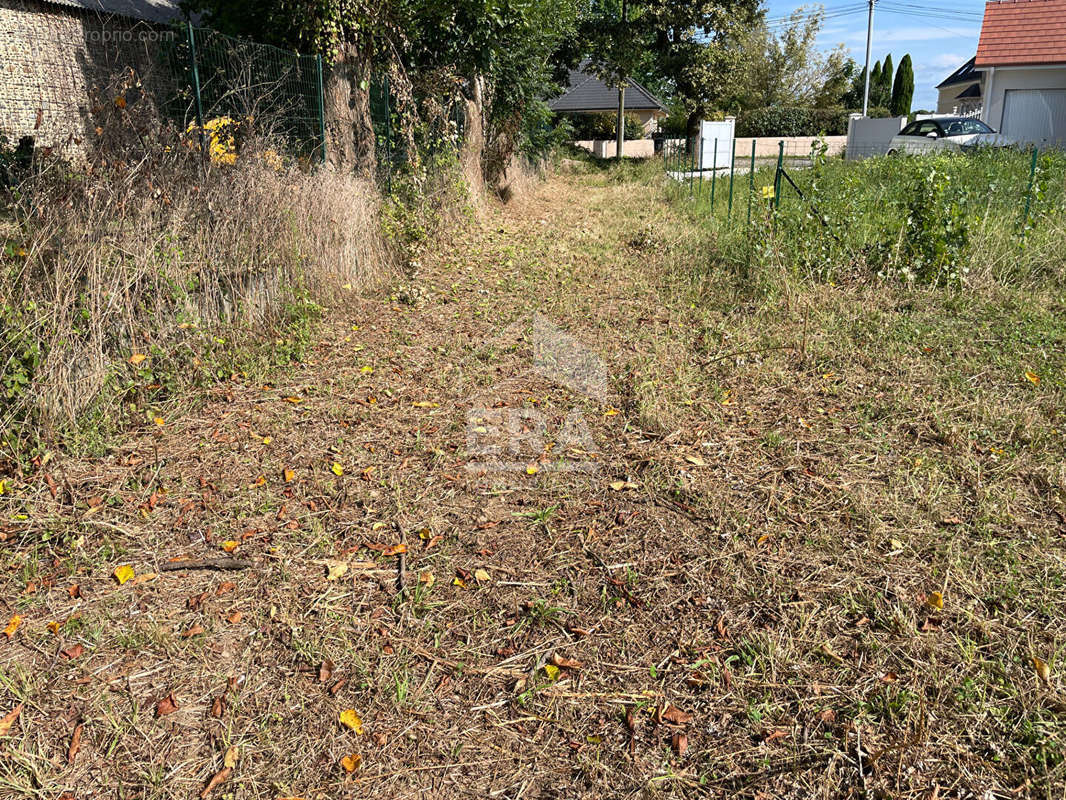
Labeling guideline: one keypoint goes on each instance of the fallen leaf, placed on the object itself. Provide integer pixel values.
(425, 404)
(75, 743)
(679, 743)
(144, 577)
(696, 461)
(123, 573)
(481, 575)
(532, 469)
(12, 626)
(230, 759)
(935, 600)
(159, 421)
(951, 521)
(289, 476)
(325, 671)
(552, 672)
(74, 591)
(168, 705)
(224, 588)
(53, 627)
(427, 578)
(352, 762)
(335, 569)
(618, 486)
(565, 663)
(351, 720)
(1032, 377)
(235, 617)
(218, 708)
(9, 719)
(776, 734)
(675, 715)
(1043, 671)
(394, 550)
(337, 469)
(195, 630)
(74, 651)
(216, 779)
(137, 358)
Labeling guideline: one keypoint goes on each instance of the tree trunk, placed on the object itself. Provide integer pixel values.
(473, 150)
(349, 126)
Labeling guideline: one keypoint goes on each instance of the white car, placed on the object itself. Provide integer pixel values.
(950, 134)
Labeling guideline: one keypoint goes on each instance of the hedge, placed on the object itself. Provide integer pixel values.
(792, 121)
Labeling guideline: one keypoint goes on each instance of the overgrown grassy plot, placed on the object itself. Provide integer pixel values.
(820, 555)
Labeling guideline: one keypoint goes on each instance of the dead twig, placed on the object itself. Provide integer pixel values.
(207, 563)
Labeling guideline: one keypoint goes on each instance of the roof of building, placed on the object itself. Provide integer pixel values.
(1022, 32)
(963, 74)
(150, 10)
(586, 92)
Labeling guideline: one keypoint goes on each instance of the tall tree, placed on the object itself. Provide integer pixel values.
(903, 88)
(884, 84)
(875, 83)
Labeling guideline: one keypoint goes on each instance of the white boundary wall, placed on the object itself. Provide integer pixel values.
(870, 137)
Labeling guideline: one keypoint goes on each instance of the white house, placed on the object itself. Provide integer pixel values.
(1022, 53)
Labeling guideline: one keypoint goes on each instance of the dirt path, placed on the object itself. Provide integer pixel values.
(630, 594)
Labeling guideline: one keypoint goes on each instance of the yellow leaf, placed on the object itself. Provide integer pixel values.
(289, 476)
(123, 573)
(352, 762)
(896, 544)
(53, 626)
(610, 412)
(351, 720)
(267, 440)
(696, 461)
(260, 481)
(1032, 377)
(768, 193)
(459, 582)
(618, 486)
(337, 469)
(425, 404)
(120, 102)
(293, 400)
(551, 671)
(427, 578)
(1042, 669)
(532, 469)
(366, 370)
(137, 358)
(935, 600)
(335, 569)
(232, 754)
(159, 421)
(481, 575)
(12, 626)
(230, 545)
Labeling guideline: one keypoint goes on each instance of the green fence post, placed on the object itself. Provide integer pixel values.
(1029, 191)
(699, 162)
(321, 106)
(196, 86)
(777, 175)
(714, 171)
(732, 173)
(751, 180)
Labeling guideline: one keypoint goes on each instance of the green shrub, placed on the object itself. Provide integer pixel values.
(792, 121)
(602, 126)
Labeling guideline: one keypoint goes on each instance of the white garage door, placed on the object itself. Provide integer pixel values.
(1035, 115)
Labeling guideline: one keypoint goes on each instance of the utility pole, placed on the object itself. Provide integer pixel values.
(620, 125)
(869, 39)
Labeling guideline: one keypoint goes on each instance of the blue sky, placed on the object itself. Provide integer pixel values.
(939, 36)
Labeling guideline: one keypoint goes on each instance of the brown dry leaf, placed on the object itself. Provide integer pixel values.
(565, 663)
(218, 708)
(394, 550)
(216, 779)
(195, 630)
(618, 486)
(235, 617)
(74, 651)
(9, 719)
(137, 580)
(696, 461)
(352, 762)
(675, 715)
(679, 743)
(137, 358)
(168, 705)
(230, 759)
(12, 626)
(351, 720)
(951, 521)
(75, 743)
(325, 671)
(74, 591)
(229, 545)
(224, 588)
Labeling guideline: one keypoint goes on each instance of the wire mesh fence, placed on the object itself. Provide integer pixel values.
(217, 88)
(858, 195)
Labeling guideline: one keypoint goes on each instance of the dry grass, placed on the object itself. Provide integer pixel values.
(146, 249)
(769, 567)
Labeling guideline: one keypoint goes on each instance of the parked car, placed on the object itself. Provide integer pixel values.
(951, 134)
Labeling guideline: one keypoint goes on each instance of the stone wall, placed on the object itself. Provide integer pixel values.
(54, 59)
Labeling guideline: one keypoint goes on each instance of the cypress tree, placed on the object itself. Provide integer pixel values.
(875, 83)
(884, 89)
(903, 88)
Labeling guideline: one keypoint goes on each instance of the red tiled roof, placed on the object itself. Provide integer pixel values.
(1020, 32)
